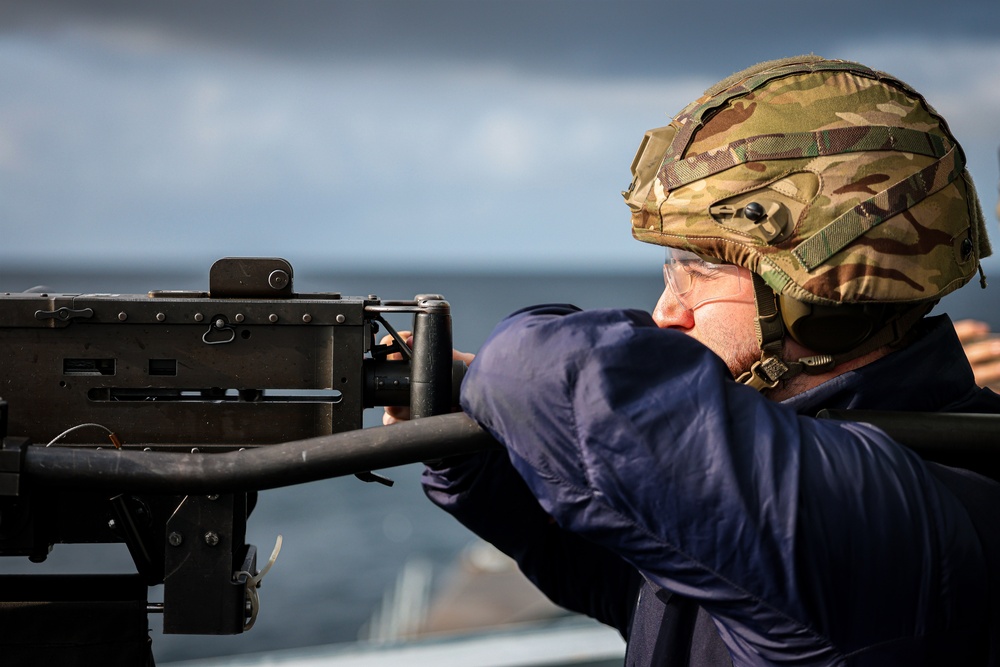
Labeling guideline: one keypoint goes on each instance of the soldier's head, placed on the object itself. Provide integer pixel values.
(828, 196)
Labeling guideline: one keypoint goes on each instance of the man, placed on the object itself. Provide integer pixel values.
(666, 474)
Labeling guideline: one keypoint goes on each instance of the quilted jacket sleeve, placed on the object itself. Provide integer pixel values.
(485, 493)
(803, 538)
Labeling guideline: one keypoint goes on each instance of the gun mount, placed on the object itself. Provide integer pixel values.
(180, 378)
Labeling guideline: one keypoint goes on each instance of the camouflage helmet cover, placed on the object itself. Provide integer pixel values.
(834, 182)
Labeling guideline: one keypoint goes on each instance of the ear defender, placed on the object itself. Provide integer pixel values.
(830, 329)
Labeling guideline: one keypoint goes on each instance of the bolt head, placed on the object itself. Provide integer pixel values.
(278, 279)
(966, 248)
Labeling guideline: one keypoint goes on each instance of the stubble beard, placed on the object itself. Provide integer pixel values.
(741, 359)
(733, 345)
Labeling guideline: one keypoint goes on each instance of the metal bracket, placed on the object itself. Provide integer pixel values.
(11, 463)
(204, 546)
(257, 277)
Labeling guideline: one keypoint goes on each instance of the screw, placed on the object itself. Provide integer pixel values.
(122, 316)
(307, 318)
(198, 317)
(175, 539)
(272, 318)
(754, 211)
(214, 496)
(211, 538)
(341, 319)
(239, 317)
(160, 317)
(111, 524)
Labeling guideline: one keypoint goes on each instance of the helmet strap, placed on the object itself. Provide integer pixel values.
(772, 369)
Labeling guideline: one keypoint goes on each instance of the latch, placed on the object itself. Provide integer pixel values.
(64, 314)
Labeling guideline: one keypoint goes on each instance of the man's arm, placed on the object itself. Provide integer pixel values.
(637, 439)
(485, 494)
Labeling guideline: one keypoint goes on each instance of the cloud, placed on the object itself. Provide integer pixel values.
(119, 145)
(122, 137)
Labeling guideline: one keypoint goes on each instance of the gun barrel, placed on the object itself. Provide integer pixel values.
(259, 468)
(970, 441)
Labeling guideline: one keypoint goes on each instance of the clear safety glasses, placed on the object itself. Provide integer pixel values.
(695, 281)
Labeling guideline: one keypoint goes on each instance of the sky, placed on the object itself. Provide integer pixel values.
(408, 134)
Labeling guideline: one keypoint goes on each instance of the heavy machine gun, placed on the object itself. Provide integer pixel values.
(153, 419)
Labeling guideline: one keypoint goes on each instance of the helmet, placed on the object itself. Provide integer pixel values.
(835, 184)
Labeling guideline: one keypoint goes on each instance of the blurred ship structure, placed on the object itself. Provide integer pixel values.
(484, 614)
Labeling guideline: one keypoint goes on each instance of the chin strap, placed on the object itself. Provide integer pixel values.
(772, 369)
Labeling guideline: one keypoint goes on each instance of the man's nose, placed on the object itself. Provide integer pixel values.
(671, 313)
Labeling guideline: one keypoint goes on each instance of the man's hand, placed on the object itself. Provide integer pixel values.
(399, 413)
(983, 350)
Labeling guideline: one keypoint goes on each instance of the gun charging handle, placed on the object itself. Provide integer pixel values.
(431, 375)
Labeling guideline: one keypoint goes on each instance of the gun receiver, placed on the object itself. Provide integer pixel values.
(188, 375)
(249, 362)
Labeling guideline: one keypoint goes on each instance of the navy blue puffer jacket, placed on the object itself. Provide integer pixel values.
(644, 487)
